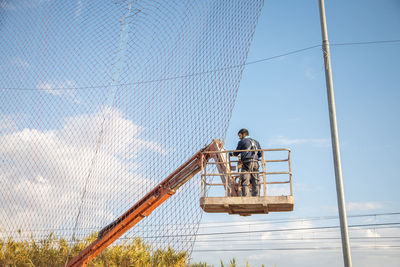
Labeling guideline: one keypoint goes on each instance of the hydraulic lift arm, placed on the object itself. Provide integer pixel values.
(145, 206)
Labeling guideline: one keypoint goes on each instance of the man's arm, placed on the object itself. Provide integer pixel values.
(239, 147)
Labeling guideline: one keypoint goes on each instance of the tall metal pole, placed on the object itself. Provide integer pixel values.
(335, 139)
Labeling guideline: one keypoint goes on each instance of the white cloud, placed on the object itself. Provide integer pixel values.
(278, 190)
(317, 142)
(19, 62)
(62, 88)
(44, 171)
(364, 206)
(48, 87)
(8, 123)
(79, 7)
(360, 206)
(371, 233)
(310, 73)
(57, 87)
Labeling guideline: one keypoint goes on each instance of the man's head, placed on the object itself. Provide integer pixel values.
(243, 133)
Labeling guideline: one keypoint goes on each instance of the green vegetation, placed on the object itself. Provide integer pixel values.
(53, 251)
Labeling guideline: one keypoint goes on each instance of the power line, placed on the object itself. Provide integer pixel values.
(218, 243)
(233, 224)
(305, 239)
(283, 55)
(375, 225)
(360, 238)
(296, 248)
(269, 221)
(366, 43)
(299, 229)
(205, 72)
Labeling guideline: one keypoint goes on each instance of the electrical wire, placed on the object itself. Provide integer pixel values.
(226, 224)
(358, 239)
(375, 225)
(304, 219)
(366, 43)
(296, 248)
(209, 71)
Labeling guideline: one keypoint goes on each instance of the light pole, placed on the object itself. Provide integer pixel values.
(335, 139)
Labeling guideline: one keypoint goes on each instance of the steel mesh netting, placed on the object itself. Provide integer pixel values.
(101, 100)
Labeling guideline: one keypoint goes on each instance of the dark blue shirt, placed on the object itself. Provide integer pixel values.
(248, 143)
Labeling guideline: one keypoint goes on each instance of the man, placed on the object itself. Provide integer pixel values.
(249, 160)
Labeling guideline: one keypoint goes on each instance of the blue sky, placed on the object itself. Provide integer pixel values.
(283, 103)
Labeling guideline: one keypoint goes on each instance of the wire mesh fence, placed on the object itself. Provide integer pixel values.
(100, 101)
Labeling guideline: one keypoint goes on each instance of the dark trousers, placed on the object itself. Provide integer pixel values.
(247, 178)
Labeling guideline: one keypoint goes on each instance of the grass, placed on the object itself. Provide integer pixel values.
(53, 251)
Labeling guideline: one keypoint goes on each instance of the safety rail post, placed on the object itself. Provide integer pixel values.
(202, 175)
(205, 178)
(226, 186)
(228, 179)
(228, 157)
(264, 174)
(290, 172)
(234, 174)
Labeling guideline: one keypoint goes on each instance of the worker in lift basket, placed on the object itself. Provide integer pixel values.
(249, 161)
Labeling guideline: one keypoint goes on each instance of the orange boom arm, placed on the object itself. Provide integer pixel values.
(144, 207)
